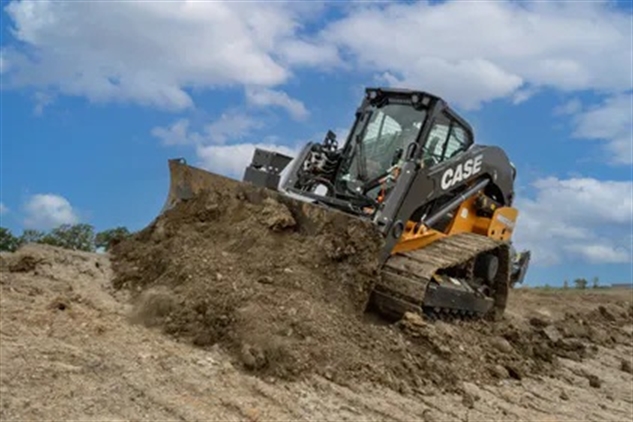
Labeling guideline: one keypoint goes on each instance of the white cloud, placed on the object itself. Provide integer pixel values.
(571, 107)
(305, 53)
(601, 253)
(216, 147)
(42, 100)
(151, 53)
(522, 95)
(156, 53)
(581, 219)
(4, 62)
(175, 134)
(267, 97)
(566, 45)
(612, 122)
(230, 125)
(466, 83)
(3, 209)
(45, 211)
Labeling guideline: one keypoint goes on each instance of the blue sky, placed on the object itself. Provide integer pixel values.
(96, 97)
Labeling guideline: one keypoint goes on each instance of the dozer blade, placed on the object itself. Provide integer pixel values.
(186, 181)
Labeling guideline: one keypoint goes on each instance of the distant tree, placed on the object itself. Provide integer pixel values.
(580, 283)
(31, 236)
(108, 238)
(595, 282)
(79, 237)
(8, 242)
(566, 284)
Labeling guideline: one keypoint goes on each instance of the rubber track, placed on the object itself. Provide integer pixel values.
(406, 276)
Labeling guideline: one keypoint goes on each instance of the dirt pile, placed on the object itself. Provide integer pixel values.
(282, 287)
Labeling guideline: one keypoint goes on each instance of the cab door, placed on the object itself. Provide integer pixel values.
(446, 139)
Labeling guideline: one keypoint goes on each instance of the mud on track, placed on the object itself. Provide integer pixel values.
(69, 351)
(282, 288)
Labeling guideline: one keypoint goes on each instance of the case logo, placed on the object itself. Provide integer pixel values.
(462, 171)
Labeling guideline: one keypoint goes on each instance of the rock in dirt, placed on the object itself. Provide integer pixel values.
(499, 371)
(276, 216)
(514, 372)
(470, 395)
(414, 320)
(552, 333)
(571, 349)
(468, 401)
(501, 344)
(625, 366)
(539, 322)
(606, 313)
(266, 279)
(429, 415)
(253, 357)
(594, 381)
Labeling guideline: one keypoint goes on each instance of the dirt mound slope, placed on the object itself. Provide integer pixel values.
(22, 273)
(282, 287)
(52, 262)
(84, 361)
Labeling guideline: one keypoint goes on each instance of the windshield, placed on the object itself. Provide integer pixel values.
(375, 141)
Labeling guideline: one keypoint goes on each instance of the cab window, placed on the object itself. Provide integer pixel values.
(446, 139)
(458, 141)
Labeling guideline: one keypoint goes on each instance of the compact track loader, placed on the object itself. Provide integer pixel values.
(411, 166)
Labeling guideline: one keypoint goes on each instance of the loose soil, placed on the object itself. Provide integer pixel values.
(282, 287)
(70, 350)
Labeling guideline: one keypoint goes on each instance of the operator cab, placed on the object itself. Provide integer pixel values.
(392, 127)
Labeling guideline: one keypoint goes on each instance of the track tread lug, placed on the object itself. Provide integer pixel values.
(411, 274)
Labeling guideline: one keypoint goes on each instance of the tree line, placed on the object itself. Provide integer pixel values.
(582, 283)
(79, 237)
